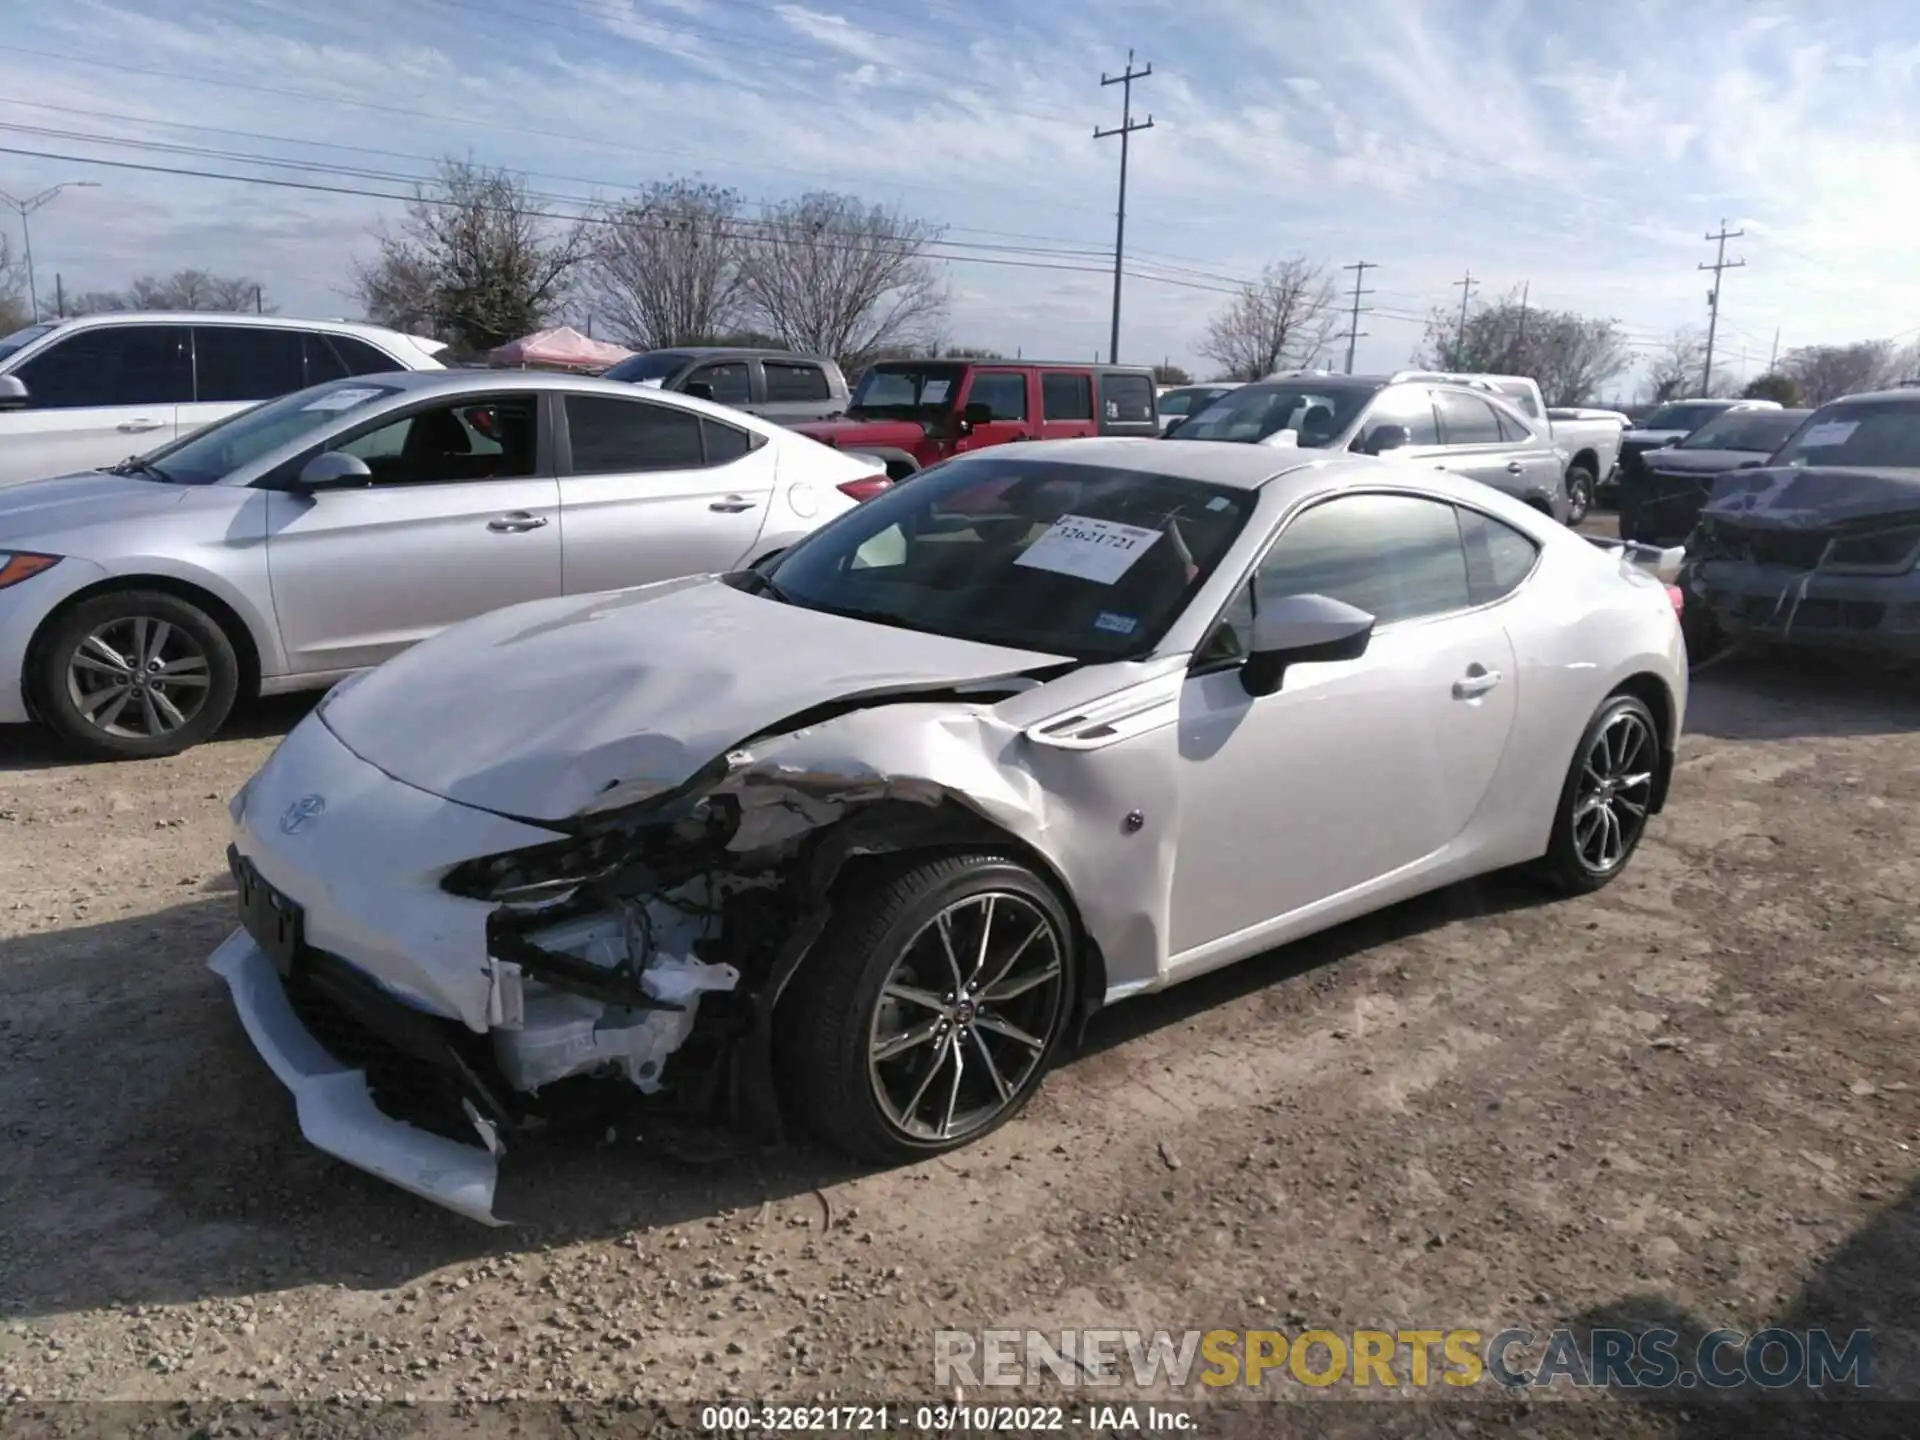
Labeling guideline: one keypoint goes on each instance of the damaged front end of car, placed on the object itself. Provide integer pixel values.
(1807, 557)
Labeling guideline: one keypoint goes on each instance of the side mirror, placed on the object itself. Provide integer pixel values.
(977, 412)
(1383, 438)
(699, 389)
(13, 393)
(1300, 630)
(333, 470)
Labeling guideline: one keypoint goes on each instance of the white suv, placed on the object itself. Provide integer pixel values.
(79, 394)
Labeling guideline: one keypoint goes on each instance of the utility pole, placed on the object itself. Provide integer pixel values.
(59, 297)
(259, 304)
(1354, 332)
(1526, 289)
(1124, 129)
(26, 207)
(1720, 262)
(1466, 293)
(1774, 358)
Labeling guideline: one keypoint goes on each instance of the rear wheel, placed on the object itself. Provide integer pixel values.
(1606, 799)
(1579, 493)
(931, 1009)
(135, 674)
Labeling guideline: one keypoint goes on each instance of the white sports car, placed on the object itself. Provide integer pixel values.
(861, 837)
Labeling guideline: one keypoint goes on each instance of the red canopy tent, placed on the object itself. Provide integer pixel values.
(563, 348)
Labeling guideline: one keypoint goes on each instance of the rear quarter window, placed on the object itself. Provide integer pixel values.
(1126, 399)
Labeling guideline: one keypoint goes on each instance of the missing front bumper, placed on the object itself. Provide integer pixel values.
(335, 1103)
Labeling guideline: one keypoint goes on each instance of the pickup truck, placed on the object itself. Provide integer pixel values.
(1591, 438)
(776, 385)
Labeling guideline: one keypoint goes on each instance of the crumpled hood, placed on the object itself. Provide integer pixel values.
(538, 710)
(850, 434)
(67, 503)
(1794, 498)
(1675, 461)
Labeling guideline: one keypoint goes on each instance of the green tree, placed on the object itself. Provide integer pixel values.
(1783, 389)
(1171, 375)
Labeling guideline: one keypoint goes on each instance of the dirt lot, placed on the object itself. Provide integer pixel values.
(1694, 1095)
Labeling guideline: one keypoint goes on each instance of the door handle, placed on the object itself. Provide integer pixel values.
(515, 522)
(138, 427)
(1514, 467)
(732, 505)
(1475, 683)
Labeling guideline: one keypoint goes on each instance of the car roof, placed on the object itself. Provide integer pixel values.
(224, 317)
(463, 380)
(1894, 397)
(1216, 462)
(745, 352)
(1005, 363)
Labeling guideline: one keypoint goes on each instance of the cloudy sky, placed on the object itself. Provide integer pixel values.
(1534, 143)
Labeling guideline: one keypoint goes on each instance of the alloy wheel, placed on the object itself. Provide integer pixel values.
(965, 1016)
(138, 677)
(1614, 792)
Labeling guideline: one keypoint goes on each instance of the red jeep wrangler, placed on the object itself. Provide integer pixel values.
(910, 414)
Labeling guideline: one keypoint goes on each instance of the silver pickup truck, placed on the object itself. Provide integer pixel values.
(776, 385)
(1591, 438)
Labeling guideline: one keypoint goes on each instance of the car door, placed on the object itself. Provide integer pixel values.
(460, 518)
(1411, 408)
(236, 365)
(649, 490)
(1006, 394)
(1473, 445)
(96, 396)
(1354, 769)
(1066, 404)
(1541, 471)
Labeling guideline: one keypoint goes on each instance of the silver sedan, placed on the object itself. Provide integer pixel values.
(862, 836)
(324, 532)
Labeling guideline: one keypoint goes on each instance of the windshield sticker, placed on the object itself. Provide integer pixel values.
(1088, 549)
(654, 384)
(342, 399)
(936, 392)
(1828, 433)
(1115, 624)
(1219, 502)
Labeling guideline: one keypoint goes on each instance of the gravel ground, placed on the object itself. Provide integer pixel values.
(1692, 1096)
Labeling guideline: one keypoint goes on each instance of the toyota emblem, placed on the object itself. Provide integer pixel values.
(295, 817)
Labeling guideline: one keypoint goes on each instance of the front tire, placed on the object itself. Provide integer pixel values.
(135, 674)
(1579, 494)
(931, 1008)
(1606, 799)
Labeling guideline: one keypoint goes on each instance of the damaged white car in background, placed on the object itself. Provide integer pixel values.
(860, 838)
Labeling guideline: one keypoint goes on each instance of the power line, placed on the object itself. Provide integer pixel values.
(1354, 332)
(1124, 130)
(1720, 263)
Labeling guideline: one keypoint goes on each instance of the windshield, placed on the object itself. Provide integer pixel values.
(907, 388)
(1076, 560)
(654, 365)
(1321, 414)
(217, 450)
(1880, 434)
(1761, 431)
(1687, 417)
(20, 339)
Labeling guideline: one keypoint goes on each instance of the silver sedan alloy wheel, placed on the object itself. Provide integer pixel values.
(1614, 792)
(965, 1016)
(138, 677)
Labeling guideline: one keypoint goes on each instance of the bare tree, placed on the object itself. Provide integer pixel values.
(831, 275)
(1826, 372)
(1569, 356)
(190, 289)
(666, 266)
(473, 260)
(1170, 374)
(13, 283)
(1280, 321)
(1674, 371)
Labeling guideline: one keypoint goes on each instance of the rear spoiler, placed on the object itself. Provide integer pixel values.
(1661, 563)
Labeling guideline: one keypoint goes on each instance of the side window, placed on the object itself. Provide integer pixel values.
(487, 438)
(1511, 430)
(361, 358)
(1066, 397)
(1397, 557)
(1499, 557)
(614, 437)
(246, 362)
(1409, 408)
(112, 365)
(1126, 399)
(1466, 419)
(795, 382)
(1521, 398)
(726, 443)
(323, 361)
(1004, 390)
(729, 381)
